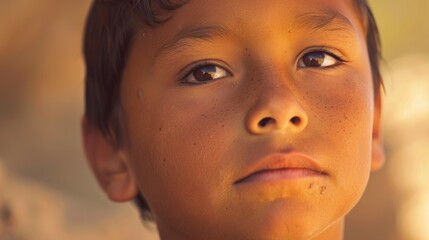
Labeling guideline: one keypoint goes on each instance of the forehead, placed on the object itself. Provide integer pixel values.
(246, 12)
(250, 21)
(246, 9)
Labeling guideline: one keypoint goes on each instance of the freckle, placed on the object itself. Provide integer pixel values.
(310, 186)
(195, 144)
(245, 49)
(160, 129)
(322, 189)
(163, 159)
(222, 125)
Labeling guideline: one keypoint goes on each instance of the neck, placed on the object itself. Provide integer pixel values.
(333, 232)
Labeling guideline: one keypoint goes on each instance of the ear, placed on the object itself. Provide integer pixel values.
(108, 163)
(377, 140)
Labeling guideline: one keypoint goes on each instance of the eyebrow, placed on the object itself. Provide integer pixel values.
(187, 37)
(325, 19)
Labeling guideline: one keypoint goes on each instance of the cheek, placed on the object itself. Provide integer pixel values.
(341, 119)
(342, 107)
(182, 156)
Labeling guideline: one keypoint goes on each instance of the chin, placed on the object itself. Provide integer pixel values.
(288, 219)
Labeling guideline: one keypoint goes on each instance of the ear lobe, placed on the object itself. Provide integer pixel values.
(378, 157)
(108, 163)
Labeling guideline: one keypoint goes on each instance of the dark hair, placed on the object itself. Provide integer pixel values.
(110, 28)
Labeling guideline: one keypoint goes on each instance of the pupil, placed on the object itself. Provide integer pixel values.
(314, 59)
(205, 73)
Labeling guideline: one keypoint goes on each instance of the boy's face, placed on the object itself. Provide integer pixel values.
(210, 97)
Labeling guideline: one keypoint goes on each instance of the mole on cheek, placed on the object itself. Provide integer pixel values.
(247, 51)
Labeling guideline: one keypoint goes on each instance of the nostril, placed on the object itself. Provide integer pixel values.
(295, 120)
(265, 121)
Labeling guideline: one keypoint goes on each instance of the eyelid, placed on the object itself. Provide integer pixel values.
(184, 72)
(338, 55)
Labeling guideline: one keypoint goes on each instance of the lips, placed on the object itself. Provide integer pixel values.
(281, 166)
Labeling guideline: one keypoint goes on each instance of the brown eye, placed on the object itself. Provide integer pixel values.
(205, 74)
(318, 59)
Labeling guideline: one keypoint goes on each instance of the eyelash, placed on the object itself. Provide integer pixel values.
(340, 60)
(198, 65)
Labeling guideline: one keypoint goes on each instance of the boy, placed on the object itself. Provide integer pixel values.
(241, 119)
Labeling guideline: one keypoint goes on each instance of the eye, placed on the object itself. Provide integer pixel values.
(319, 59)
(205, 73)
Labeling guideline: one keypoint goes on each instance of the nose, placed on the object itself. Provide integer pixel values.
(276, 109)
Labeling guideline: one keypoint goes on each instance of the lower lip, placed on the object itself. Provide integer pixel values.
(275, 175)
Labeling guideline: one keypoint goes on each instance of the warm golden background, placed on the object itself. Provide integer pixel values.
(48, 193)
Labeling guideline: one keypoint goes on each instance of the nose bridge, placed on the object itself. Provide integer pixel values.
(277, 106)
(276, 84)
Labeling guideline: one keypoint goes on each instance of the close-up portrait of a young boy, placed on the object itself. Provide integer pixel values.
(234, 119)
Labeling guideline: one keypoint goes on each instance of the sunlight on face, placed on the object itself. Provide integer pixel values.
(241, 123)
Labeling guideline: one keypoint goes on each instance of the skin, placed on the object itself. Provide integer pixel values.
(186, 144)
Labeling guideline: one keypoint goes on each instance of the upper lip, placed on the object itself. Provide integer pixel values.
(276, 161)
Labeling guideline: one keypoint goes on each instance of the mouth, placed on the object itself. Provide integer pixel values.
(281, 167)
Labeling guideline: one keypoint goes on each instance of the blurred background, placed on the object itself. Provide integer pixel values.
(46, 188)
